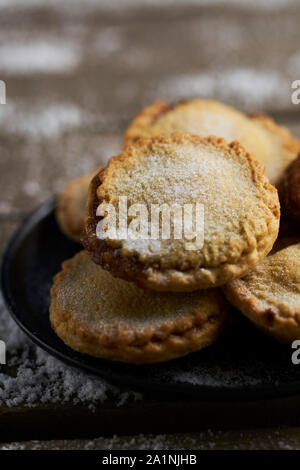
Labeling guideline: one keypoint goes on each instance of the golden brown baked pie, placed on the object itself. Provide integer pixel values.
(241, 211)
(289, 191)
(96, 314)
(271, 144)
(270, 295)
(71, 205)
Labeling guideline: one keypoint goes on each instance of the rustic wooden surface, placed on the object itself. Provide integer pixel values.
(76, 73)
(249, 439)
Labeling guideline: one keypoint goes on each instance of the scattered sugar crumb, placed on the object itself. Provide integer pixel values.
(108, 41)
(13, 446)
(228, 378)
(124, 4)
(46, 120)
(38, 377)
(4, 207)
(243, 85)
(31, 188)
(248, 439)
(38, 56)
(294, 64)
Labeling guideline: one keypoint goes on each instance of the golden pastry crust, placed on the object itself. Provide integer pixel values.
(241, 211)
(270, 295)
(141, 124)
(96, 314)
(271, 144)
(71, 205)
(289, 191)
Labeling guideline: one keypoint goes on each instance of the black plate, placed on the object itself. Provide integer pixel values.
(242, 364)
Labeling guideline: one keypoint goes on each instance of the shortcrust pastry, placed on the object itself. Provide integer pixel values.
(270, 295)
(96, 314)
(271, 144)
(241, 211)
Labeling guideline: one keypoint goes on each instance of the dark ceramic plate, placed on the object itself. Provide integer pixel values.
(242, 364)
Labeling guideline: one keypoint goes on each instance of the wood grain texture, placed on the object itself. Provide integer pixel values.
(276, 438)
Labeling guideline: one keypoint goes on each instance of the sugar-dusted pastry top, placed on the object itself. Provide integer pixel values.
(270, 294)
(107, 317)
(276, 281)
(241, 208)
(271, 144)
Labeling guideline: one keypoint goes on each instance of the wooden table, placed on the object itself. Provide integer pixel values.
(76, 73)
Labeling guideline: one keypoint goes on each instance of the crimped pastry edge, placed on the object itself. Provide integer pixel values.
(149, 114)
(288, 141)
(177, 339)
(284, 328)
(145, 275)
(144, 118)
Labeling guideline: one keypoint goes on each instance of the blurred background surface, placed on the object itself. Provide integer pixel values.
(77, 72)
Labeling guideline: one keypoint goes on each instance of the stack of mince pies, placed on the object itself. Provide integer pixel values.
(149, 299)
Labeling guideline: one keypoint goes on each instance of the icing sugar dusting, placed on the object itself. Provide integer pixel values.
(246, 86)
(40, 378)
(266, 438)
(108, 41)
(119, 4)
(38, 56)
(50, 120)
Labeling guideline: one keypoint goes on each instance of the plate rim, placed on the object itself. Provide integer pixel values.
(202, 392)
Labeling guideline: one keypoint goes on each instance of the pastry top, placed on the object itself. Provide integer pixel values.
(271, 144)
(270, 294)
(107, 317)
(71, 205)
(276, 281)
(241, 208)
(289, 191)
